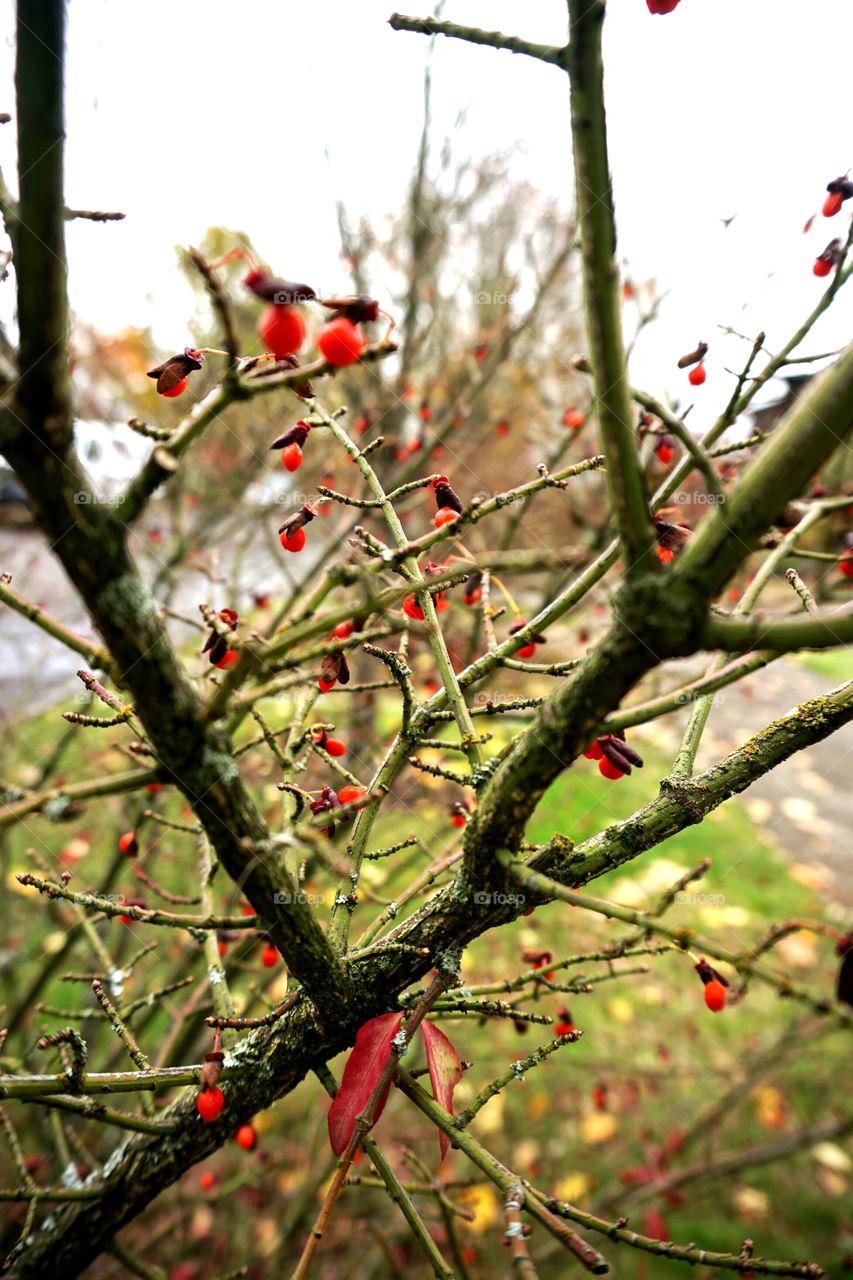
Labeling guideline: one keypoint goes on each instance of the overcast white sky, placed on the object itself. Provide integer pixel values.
(189, 115)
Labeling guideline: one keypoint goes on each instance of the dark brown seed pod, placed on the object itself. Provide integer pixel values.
(844, 989)
(446, 495)
(303, 387)
(334, 667)
(297, 434)
(693, 357)
(298, 520)
(212, 1068)
(216, 646)
(326, 801)
(841, 187)
(357, 308)
(520, 625)
(176, 368)
(282, 292)
(709, 974)
(671, 537)
(616, 750)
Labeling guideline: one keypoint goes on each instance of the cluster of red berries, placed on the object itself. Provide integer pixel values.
(715, 986)
(615, 758)
(216, 645)
(282, 327)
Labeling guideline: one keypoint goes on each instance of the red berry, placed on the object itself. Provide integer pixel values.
(154, 787)
(458, 819)
(228, 660)
(845, 565)
(526, 651)
(715, 995)
(564, 1028)
(246, 1137)
(431, 687)
(210, 1102)
(661, 6)
(269, 956)
(291, 457)
(832, 204)
(349, 795)
(696, 376)
(326, 685)
(222, 948)
(293, 541)
(445, 515)
(340, 341)
(412, 609)
(822, 266)
(343, 630)
(573, 419)
(609, 770)
(127, 843)
(176, 390)
(207, 1181)
(594, 752)
(282, 330)
(665, 454)
(335, 747)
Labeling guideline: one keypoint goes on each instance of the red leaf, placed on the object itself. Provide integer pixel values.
(445, 1072)
(361, 1074)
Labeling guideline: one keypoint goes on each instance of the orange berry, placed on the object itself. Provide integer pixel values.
(207, 1181)
(210, 1102)
(608, 769)
(176, 390)
(269, 956)
(832, 204)
(246, 1137)
(340, 341)
(294, 541)
(412, 609)
(228, 660)
(349, 795)
(127, 843)
(445, 515)
(291, 457)
(715, 995)
(282, 330)
(573, 419)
